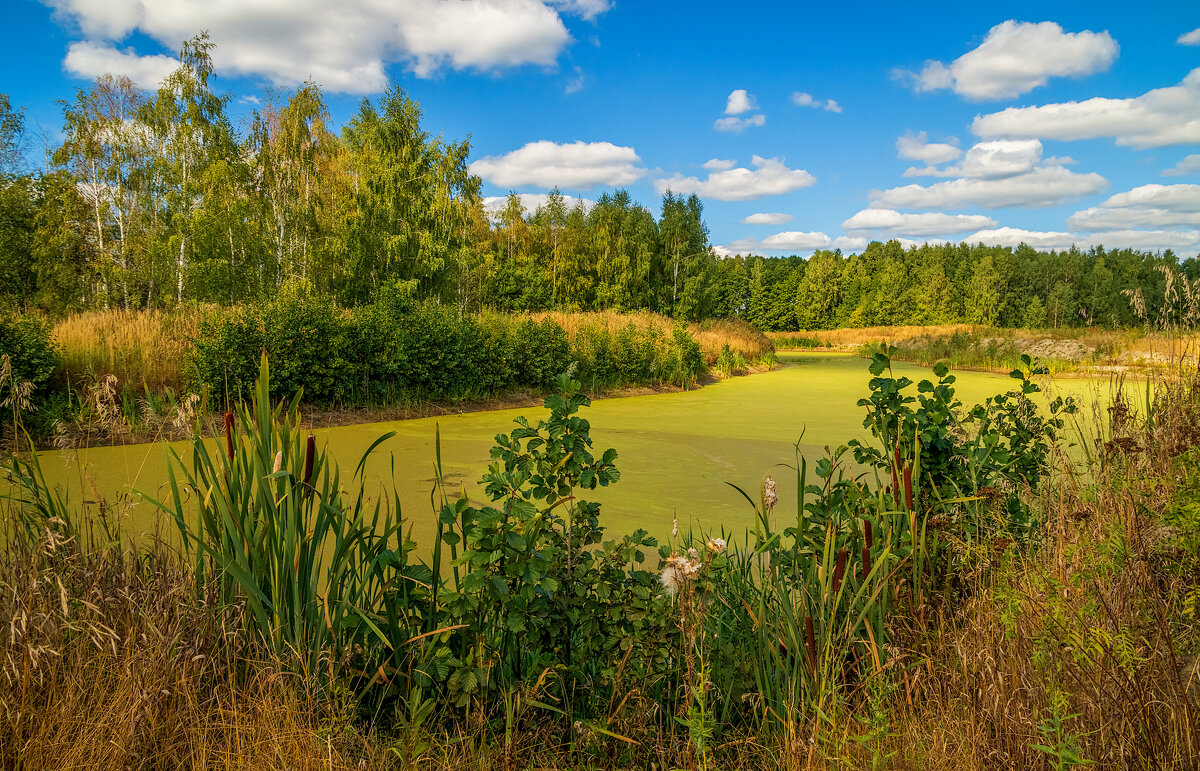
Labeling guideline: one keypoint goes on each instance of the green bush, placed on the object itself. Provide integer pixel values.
(26, 341)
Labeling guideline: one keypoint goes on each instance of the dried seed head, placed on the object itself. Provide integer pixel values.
(278, 463)
(229, 435)
(716, 545)
(770, 497)
(310, 452)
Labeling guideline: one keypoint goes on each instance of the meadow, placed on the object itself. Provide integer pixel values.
(944, 586)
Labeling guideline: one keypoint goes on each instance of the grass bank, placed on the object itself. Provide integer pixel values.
(122, 376)
(966, 346)
(977, 600)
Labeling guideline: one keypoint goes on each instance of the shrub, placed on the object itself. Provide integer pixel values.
(26, 341)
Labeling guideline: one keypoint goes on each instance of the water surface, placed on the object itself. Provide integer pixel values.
(677, 451)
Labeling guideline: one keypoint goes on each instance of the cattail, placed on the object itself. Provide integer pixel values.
(811, 640)
(278, 463)
(770, 496)
(908, 497)
(839, 570)
(229, 434)
(309, 453)
(866, 563)
(868, 534)
(868, 544)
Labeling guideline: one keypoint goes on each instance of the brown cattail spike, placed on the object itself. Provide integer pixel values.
(229, 434)
(310, 452)
(908, 496)
(868, 534)
(866, 562)
(811, 641)
(839, 570)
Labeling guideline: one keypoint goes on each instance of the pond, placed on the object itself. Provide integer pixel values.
(678, 452)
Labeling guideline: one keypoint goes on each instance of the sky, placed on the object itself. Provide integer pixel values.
(801, 126)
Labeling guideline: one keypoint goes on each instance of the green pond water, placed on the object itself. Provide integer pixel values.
(677, 451)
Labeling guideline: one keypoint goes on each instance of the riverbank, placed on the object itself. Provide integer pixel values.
(1065, 352)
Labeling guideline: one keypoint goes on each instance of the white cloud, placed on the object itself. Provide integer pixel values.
(933, 223)
(917, 147)
(90, 60)
(992, 174)
(1189, 38)
(587, 9)
(792, 241)
(1117, 239)
(739, 102)
(738, 125)
(495, 204)
(575, 82)
(770, 177)
(343, 46)
(1044, 186)
(719, 164)
(807, 100)
(570, 165)
(767, 218)
(1147, 206)
(1016, 57)
(1158, 118)
(1188, 165)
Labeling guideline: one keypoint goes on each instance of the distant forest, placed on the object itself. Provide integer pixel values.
(155, 200)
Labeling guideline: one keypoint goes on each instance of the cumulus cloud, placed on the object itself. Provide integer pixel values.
(719, 164)
(343, 46)
(769, 177)
(917, 147)
(738, 125)
(933, 223)
(804, 99)
(1188, 165)
(739, 102)
(1158, 118)
(1117, 239)
(1189, 38)
(89, 60)
(495, 204)
(793, 241)
(1147, 206)
(767, 218)
(1016, 57)
(995, 174)
(572, 165)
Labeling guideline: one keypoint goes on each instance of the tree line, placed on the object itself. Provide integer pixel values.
(887, 284)
(154, 199)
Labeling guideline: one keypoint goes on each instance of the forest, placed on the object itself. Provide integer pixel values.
(155, 200)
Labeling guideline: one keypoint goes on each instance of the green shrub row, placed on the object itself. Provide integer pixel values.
(26, 341)
(395, 350)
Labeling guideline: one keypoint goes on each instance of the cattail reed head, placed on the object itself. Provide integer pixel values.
(908, 494)
(229, 434)
(866, 562)
(770, 497)
(278, 463)
(868, 534)
(310, 452)
(839, 570)
(810, 639)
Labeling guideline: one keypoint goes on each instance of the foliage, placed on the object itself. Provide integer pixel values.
(26, 341)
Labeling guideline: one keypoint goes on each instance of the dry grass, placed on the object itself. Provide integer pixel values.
(711, 335)
(148, 348)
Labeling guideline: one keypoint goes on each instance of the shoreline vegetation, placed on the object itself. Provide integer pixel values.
(977, 599)
(1064, 352)
(123, 377)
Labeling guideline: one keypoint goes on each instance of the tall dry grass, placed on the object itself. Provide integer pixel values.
(712, 335)
(148, 348)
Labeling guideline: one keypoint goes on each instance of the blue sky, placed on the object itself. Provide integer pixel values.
(835, 124)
